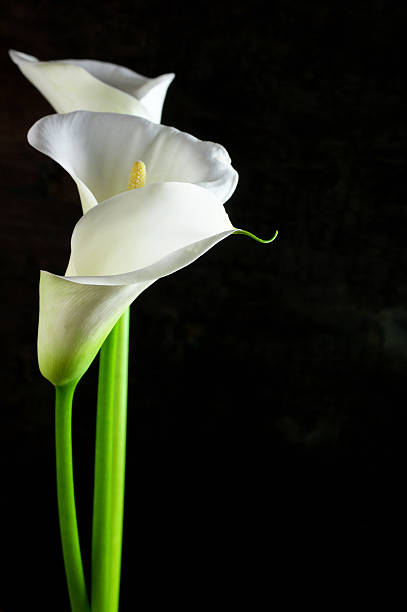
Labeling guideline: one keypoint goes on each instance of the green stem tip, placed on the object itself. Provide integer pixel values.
(245, 233)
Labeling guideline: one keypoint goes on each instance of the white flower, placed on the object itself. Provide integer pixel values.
(71, 85)
(131, 237)
(99, 149)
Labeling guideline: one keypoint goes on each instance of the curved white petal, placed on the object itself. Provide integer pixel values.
(99, 149)
(74, 321)
(141, 226)
(77, 313)
(97, 86)
(152, 94)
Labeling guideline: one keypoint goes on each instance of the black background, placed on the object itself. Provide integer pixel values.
(267, 383)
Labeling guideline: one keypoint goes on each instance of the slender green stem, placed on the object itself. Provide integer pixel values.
(66, 499)
(110, 457)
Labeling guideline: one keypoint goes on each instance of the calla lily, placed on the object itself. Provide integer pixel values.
(99, 149)
(71, 85)
(128, 238)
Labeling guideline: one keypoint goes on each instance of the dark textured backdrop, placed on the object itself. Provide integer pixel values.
(267, 382)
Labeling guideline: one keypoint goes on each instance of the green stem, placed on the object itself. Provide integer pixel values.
(110, 457)
(66, 499)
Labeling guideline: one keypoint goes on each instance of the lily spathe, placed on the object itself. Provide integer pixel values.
(128, 238)
(71, 84)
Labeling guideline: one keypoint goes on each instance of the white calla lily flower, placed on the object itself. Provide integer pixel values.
(99, 149)
(132, 237)
(71, 85)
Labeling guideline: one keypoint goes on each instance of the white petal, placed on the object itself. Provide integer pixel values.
(139, 227)
(68, 88)
(74, 321)
(99, 149)
(152, 95)
(77, 314)
(92, 85)
(150, 92)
